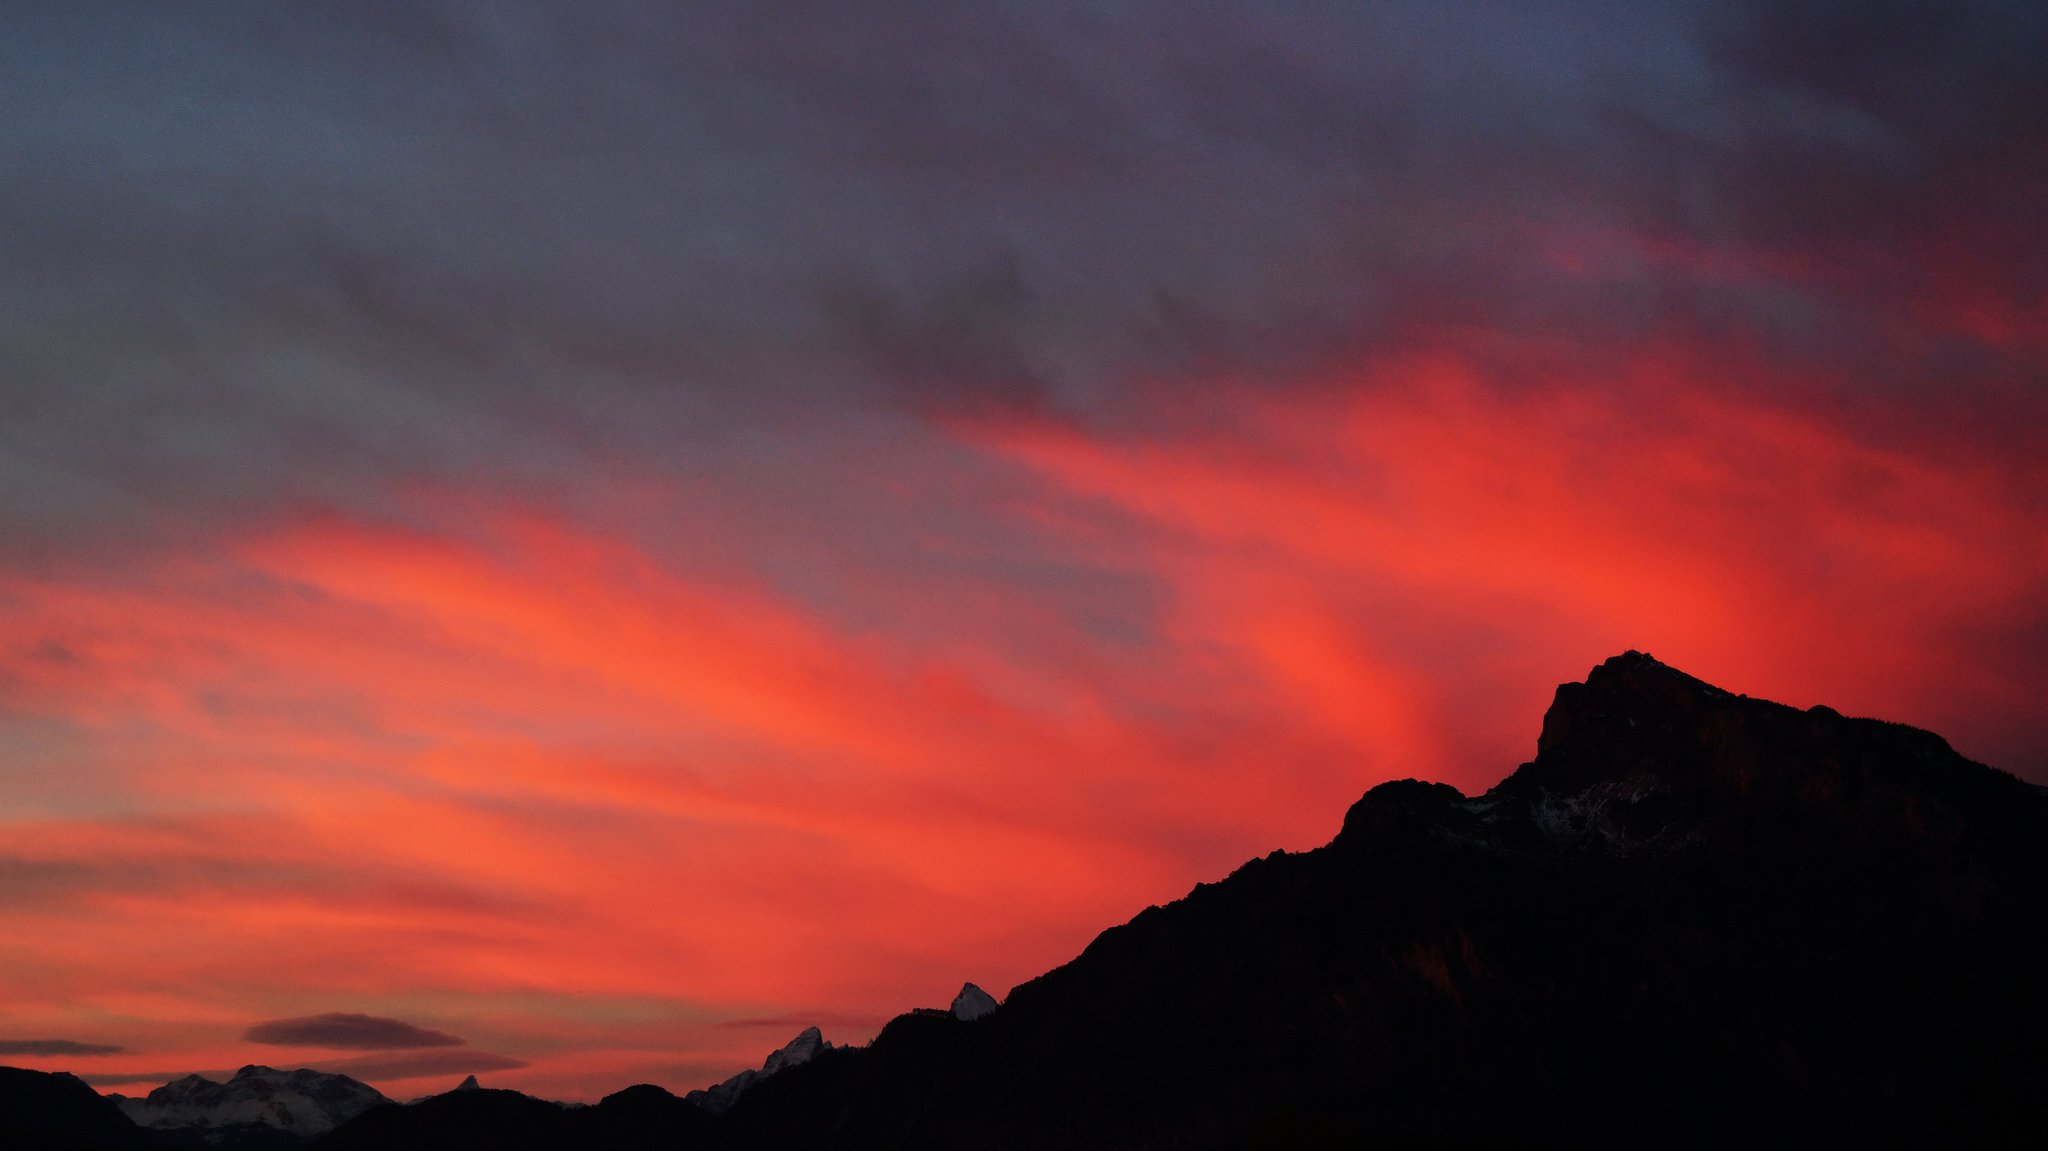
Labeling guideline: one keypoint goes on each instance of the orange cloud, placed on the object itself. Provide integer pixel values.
(509, 757)
(1366, 541)
(542, 783)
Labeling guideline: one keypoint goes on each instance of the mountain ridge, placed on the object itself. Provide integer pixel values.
(1677, 861)
(243, 1111)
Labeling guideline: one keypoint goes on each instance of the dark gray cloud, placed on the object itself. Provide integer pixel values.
(410, 1065)
(56, 1047)
(266, 253)
(347, 1031)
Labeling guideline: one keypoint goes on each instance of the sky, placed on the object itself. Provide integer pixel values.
(572, 541)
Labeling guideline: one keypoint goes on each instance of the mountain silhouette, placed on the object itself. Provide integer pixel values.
(52, 1111)
(639, 1118)
(1694, 919)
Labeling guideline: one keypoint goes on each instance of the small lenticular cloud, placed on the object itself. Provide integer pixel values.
(348, 1032)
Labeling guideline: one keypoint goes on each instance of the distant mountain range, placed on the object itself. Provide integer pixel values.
(1695, 919)
(255, 1108)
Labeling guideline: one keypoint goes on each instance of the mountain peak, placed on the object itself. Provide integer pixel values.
(1636, 719)
(1645, 754)
(469, 1084)
(1631, 688)
(1398, 805)
(719, 1097)
(972, 1003)
(807, 1043)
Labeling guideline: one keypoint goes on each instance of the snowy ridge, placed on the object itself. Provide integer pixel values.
(303, 1102)
(719, 1098)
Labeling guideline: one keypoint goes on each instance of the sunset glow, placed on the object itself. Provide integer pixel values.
(493, 632)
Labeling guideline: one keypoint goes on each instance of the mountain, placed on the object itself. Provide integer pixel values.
(52, 1111)
(972, 1003)
(1694, 919)
(482, 1118)
(640, 1118)
(719, 1098)
(260, 1107)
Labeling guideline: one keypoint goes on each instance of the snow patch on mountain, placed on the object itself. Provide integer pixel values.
(973, 1003)
(303, 1102)
(719, 1098)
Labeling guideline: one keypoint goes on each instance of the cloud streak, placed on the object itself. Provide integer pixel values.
(348, 1031)
(53, 1047)
(425, 1063)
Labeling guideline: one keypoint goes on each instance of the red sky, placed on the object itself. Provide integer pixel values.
(621, 672)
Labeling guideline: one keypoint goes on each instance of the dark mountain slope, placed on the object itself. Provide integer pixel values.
(640, 1118)
(52, 1111)
(1695, 918)
(464, 1120)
